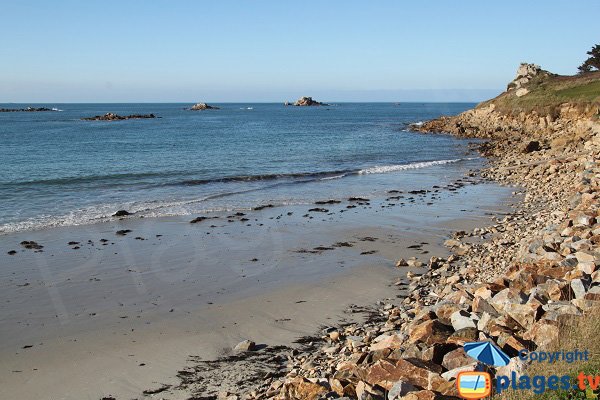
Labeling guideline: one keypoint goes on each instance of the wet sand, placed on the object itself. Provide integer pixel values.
(97, 317)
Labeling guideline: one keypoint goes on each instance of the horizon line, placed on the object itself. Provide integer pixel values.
(240, 102)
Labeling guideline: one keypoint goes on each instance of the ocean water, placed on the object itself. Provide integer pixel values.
(56, 169)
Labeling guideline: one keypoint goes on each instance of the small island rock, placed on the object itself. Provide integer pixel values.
(28, 109)
(202, 106)
(306, 101)
(115, 117)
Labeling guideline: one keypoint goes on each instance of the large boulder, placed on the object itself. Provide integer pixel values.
(430, 332)
(386, 373)
(525, 73)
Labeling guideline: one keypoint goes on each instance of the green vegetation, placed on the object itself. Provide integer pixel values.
(581, 334)
(589, 91)
(548, 92)
(593, 61)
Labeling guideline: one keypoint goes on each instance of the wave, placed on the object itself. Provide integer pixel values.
(91, 179)
(402, 167)
(160, 208)
(323, 175)
(266, 177)
(298, 177)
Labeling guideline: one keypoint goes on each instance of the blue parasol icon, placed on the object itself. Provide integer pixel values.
(487, 353)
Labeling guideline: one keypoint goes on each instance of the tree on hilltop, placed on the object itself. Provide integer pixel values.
(593, 62)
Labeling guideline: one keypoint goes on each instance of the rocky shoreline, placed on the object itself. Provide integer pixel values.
(517, 282)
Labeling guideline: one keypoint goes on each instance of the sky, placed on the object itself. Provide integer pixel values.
(261, 51)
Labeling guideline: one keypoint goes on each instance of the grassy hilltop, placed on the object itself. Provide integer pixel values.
(548, 91)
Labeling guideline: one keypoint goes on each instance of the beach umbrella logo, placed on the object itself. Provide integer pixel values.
(487, 353)
(474, 385)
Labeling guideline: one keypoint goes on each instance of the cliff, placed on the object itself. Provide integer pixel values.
(561, 113)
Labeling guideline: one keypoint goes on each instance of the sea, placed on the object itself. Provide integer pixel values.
(59, 170)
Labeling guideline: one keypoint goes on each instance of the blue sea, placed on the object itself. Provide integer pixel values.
(57, 170)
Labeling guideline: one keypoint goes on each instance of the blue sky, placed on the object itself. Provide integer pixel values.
(226, 50)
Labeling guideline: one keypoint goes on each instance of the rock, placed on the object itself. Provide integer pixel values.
(560, 311)
(510, 343)
(456, 358)
(579, 287)
(385, 373)
(387, 342)
(414, 263)
(121, 213)
(330, 201)
(31, 245)
(521, 92)
(202, 106)
(430, 332)
(524, 314)
(480, 305)
(462, 336)
(542, 333)
(532, 146)
(123, 232)
(453, 373)
(401, 263)
(434, 353)
(525, 73)
(246, 345)
(586, 262)
(422, 395)
(515, 365)
(115, 117)
(306, 101)
(585, 305)
(11, 252)
(400, 389)
(507, 296)
(593, 294)
(445, 309)
(461, 319)
(302, 389)
(28, 109)
(452, 243)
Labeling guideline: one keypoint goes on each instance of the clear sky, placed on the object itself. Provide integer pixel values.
(336, 50)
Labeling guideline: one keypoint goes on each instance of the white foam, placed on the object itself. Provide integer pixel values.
(403, 167)
(328, 178)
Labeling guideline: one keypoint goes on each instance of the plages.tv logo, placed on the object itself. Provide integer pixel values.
(474, 385)
(478, 384)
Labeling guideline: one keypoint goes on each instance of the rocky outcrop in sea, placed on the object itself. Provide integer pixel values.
(202, 106)
(115, 117)
(28, 109)
(306, 101)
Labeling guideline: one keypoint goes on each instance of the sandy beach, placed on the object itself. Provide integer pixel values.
(327, 200)
(119, 314)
